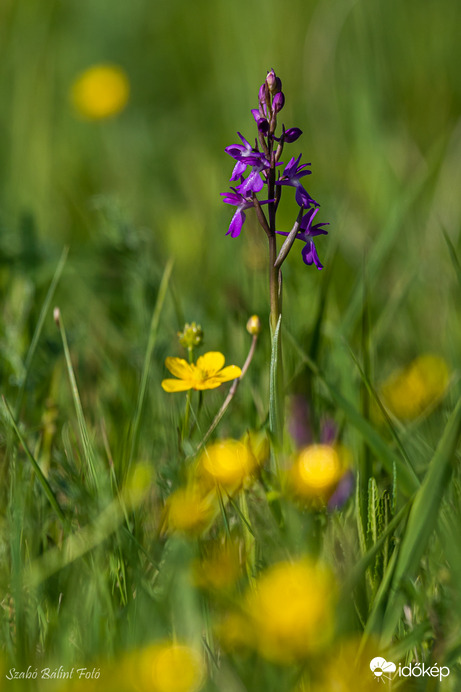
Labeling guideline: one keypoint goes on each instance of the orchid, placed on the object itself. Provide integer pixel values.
(306, 233)
(291, 176)
(263, 160)
(244, 154)
(242, 202)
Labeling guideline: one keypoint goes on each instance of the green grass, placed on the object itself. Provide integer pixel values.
(120, 224)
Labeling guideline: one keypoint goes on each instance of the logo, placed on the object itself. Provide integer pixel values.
(381, 668)
(386, 670)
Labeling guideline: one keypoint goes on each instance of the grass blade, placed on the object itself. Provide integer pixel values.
(87, 447)
(38, 471)
(453, 255)
(39, 327)
(153, 330)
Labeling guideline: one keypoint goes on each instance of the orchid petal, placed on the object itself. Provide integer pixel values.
(309, 254)
(236, 224)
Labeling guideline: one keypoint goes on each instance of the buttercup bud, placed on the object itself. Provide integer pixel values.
(191, 336)
(254, 325)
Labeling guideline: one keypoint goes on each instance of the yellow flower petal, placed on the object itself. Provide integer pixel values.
(179, 368)
(211, 362)
(209, 383)
(229, 373)
(228, 462)
(176, 385)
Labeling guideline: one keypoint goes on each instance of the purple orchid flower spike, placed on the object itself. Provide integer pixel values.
(306, 233)
(242, 202)
(291, 176)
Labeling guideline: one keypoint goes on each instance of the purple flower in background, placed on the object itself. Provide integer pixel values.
(241, 202)
(291, 176)
(306, 233)
(343, 491)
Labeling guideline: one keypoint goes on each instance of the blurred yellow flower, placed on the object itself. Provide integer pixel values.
(163, 667)
(208, 373)
(190, 510)
(410, 392)
(228, 462)
(291, 610)
(100, 92)
(220, 569)
(317, 470)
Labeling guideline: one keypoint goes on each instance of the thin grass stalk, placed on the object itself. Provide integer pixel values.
(153, 330)
(84, 435)
(38, 329)
(38, 471)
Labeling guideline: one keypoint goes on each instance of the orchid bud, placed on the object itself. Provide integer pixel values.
(273, 82)
(262, 93)
(292, 134)
(278, 102)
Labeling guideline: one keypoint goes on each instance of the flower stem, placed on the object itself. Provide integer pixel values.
(276, 416)
(230, 394)
(185, 423)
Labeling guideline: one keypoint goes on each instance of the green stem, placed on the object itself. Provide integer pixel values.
(185, 424)
(230, 394)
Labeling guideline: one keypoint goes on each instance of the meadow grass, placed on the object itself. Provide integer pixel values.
(119, 224)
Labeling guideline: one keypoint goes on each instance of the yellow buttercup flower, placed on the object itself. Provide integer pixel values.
(163, 667)
(100, 92)
(317, 470)
(208, 373)
(227, 462)
(189, 510)
(291, 610)
(176, 669)
(415, 389)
